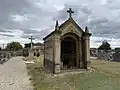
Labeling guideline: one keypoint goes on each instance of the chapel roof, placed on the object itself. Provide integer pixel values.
(69, 20)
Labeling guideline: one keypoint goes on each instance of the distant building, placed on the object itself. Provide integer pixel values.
(38, 49)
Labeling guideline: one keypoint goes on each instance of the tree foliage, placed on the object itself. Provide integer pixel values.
(105, 46)
(27, 45)
(0, 48)
(13, 46)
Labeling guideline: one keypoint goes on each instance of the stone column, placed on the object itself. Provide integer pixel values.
(77, 54)
(80, 53)
(86, 50)
(57, 53)
(44, 54)
(40, 51)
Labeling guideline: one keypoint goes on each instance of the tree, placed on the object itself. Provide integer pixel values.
(105, 46)
(28, 45)
(0, 48)
(13, 46)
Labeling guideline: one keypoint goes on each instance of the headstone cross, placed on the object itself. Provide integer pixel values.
(70, 12)
(31, 38)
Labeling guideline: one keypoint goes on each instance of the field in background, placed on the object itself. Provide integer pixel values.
(110, 67)
(105, 77)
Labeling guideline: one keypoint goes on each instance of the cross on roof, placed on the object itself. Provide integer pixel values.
(70, 12)
(31, 38)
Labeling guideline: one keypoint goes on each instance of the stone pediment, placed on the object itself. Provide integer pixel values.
(70, 26)
(71, 29)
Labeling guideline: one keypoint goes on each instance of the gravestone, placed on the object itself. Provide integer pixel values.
(116, 55)
(102, 55)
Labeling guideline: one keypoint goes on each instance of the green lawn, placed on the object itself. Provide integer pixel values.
(105, 77)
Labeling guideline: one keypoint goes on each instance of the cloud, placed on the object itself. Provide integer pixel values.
(7, 8)
(22, 18)
(36, 33)
(5, 30)
(8, 35)
(79, 11)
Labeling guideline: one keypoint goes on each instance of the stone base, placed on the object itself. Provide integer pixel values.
(57, 69)
(29, 62)
(30, 59)
(31, 56)
(31, 53)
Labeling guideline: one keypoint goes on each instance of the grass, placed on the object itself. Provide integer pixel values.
(107, 66)
(105, 77)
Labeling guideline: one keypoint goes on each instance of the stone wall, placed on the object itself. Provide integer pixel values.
(48, 55)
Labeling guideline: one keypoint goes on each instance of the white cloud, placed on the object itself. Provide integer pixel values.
(21, 18)
(103, 2)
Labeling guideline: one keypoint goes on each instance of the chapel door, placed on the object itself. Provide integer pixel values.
(68, 52)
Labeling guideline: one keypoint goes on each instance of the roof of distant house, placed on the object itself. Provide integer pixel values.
(38, 44)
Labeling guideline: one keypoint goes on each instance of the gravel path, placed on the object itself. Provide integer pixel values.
(13, 75)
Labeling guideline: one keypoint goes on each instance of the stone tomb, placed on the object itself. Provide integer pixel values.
(67, 47)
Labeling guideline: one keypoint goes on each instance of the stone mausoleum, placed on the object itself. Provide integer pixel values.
(67, 47)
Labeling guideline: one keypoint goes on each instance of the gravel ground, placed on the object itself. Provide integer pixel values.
(13, 75)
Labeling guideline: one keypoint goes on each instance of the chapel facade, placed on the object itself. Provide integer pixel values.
(67, 47)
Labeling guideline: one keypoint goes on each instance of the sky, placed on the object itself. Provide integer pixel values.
(19, 19)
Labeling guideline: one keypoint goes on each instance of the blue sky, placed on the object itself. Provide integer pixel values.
(19, 19)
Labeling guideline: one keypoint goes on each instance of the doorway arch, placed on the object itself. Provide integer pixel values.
(68, 51)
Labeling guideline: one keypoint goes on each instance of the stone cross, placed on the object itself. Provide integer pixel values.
(70, 12)
(3, 46)
(31, 38)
